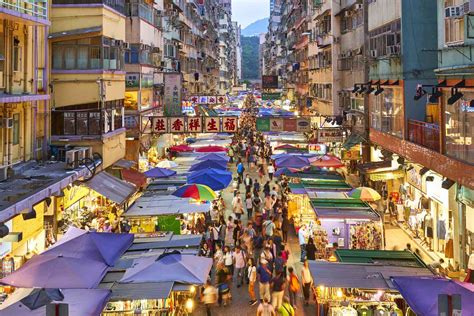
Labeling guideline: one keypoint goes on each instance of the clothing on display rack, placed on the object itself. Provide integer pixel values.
(429, 226)
(366, 236)
(441, 233)
(449, 248)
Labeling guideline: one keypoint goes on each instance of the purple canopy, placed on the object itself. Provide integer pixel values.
(103, 247)
(214, 156)
(292, 162)
(206, 164)
(421, 293)
(89, 302)
(53, 271)
(186, 269)
(158, 172)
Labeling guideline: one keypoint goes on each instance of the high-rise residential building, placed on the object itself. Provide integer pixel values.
(227, 5)
(238, 52)
(272, 5)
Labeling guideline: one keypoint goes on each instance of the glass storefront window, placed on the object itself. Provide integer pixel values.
(386, 112)
(459, 118)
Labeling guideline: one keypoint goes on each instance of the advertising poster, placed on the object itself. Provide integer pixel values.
(172, 94)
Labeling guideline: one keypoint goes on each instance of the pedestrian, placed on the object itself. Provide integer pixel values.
(266, 188)
(285, 226)
(230, 153)
(307, 281)
(229, 234)
(310, 249)
(261, 170)
(236, 234)
(239, 264)
(278, 287)
(218, 256)
(269, 227)
(294, 286)
(256, 203)
(264, 277)
(267, 205)
(240, 171)
(248, 182)
(268, 256)
(249, 205)
(205, 251)
(252, 276)
(238, 207)
(265, 308)
(256, 187)
(221, 282)
(271, 171)
(222, 232)
(209, 296)
(286, 309)
(228, 261)
(302, 241)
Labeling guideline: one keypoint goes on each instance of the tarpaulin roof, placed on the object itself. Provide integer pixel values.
(114, 189)
(53, 271)
(421, 293)
(362, 276)
(219, 156)
(158, 172)
(88, 302)
(187, 269)
(176, 241)
(214, 178)
(103, 247)
(157, 207)
(386, 257)
(292, 161)
(133, 177)
(205, 164)
(140, 291)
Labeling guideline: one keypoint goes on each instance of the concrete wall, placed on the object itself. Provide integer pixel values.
(382, 12)
(72, 88)
(139, 31)
(79, 17)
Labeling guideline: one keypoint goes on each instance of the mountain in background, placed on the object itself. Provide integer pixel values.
(256, 28)
(250, 57)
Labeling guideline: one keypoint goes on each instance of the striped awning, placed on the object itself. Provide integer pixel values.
(388, 175)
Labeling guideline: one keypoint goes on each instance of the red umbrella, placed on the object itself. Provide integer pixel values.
(210, 149)
(326, 161)
(181, 148)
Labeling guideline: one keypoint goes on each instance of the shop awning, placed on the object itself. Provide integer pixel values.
(361, 276)
(386, 257)
(370, 167)
(352, 140)
(422, 293)
(176, 241)
(387, 175)
(356, 214)
(134, 177)
(164, 205)
(114, 189)
(141, 291)
(124, 163)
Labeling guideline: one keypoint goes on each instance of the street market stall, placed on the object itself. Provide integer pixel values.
(360, 289)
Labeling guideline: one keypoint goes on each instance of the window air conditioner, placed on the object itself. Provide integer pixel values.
(72, 159)
(3, 173)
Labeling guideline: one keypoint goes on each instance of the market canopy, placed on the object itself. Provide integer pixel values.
(210, 149)
(81, 302)
(158, 173)
(104, 247)
(214, 156)
(55, 271)
(172, 267)
(386, 257)
(352, 140)
(326, 161)
(292, 161)
(206, 164)
(198, 192)
(214, 178)
(164, 205)
(133, 177)
(141, 291)
(114, 189)
(167, 164)
(181, 148)
(361, 276)
(175, 241)
(421, 293)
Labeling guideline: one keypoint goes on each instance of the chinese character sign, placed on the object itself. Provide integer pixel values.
(203, 99)
(229, 124)
(176, 124)
(194, 125)
(194, 99)
(160, 125)
(172, 94)
(221, 99)
(212, 99)
(212, 124)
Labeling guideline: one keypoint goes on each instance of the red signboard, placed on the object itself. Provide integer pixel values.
(289, 125)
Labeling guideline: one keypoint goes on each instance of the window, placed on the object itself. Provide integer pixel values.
(94, 123)
(386, 40)
(69, 119)
(82, 123)
(386, 111)
(16, 129)
(17, 55)
(459, 118)
(453, 30)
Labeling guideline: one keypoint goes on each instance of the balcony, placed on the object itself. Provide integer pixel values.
(424, 134)
(117, 5)
(145, 12)
(27, 8)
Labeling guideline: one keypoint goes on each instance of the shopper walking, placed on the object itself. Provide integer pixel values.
(209, 296)
(278, 284)
(240, 171)
(294, 286)
(264, 277)
(307, 281)
(302, 241)
(249, 205)
(286, 309)
(310, 249)
(238, 207)
(265, 308)
(239, 264)
(228, 260)
(271, 171)
(252, 276)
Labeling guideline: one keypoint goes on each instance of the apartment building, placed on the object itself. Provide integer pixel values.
(88, 44)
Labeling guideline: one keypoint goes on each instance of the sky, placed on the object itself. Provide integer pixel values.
(246, 12)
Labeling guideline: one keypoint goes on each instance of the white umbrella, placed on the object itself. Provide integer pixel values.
(167, 164)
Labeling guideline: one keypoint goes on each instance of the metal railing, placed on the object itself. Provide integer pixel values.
(34, 8)
(424, 134)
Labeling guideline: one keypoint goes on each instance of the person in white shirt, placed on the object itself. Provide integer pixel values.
(302, 241)
(252, 276)
(209, 296)
(307, 281)
(271, 171)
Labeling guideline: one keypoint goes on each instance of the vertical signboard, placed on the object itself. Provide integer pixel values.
(173, 98)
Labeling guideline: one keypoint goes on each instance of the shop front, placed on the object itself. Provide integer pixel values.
(465, 198)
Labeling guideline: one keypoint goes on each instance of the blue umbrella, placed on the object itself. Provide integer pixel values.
(215, 164)
(214, 156)
(214, 178)
(292, 161)
(190, 140)
(285, 171)
(158, 172)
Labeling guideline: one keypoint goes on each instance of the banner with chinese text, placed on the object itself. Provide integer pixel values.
(172, 93)
(194, 124)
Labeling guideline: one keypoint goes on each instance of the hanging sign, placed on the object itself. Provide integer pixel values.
(317, 149)
(229, 124)
(263, 125)
(330, 135)
(276, 125)
(303, 125)
(172, 93)
(194, 125)
(177, 124)
(212, 124)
